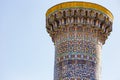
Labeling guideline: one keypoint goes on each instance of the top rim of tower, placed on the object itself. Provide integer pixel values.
(80, 4)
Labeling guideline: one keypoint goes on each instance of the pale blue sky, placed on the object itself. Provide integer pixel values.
(27, 51)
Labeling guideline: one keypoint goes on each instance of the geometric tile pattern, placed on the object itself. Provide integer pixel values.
(75, 69)
(76, 59)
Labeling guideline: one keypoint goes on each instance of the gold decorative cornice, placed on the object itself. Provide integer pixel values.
(80, 4)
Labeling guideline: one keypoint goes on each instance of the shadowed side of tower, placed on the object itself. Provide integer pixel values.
(78, 30)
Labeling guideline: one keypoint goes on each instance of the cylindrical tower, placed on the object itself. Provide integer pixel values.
(78, 30)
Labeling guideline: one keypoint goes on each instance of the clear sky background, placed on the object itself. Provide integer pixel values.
(27, 51)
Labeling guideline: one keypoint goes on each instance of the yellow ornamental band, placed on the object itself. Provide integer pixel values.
(80, 4)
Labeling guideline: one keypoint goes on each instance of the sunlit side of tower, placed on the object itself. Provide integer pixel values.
(78, 30)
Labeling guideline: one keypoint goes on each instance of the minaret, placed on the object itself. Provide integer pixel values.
(78, 30)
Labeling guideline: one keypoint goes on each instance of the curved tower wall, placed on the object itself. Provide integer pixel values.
(78, 30)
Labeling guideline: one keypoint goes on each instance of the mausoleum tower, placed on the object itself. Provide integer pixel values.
(78, 30)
